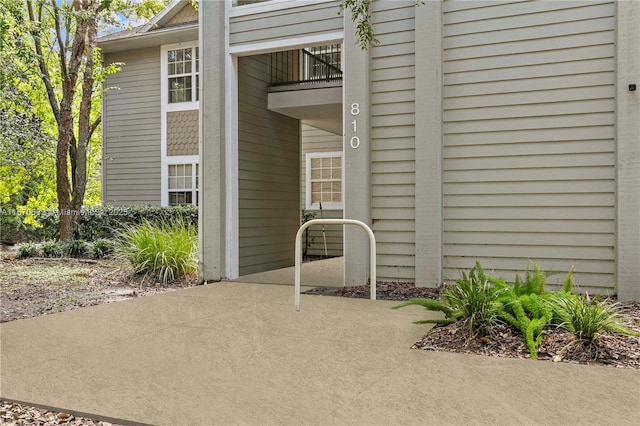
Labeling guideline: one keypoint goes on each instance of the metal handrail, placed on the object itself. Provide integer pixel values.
(298, 252)
(337, 72)
(297, 67)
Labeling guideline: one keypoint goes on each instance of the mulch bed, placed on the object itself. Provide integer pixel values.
(558, 345)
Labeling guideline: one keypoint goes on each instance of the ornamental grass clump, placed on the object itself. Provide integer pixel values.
(585, 317)
(474, 299)
(166, 250)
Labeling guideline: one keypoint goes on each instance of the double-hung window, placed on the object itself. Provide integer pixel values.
(183, 184)
(324, 180)
(183, 74)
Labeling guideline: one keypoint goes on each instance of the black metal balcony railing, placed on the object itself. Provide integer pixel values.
(243, 2)
(305, 66)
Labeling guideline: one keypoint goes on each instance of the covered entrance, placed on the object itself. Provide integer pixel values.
(289, 153)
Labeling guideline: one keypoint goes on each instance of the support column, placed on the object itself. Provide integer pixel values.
(428, 39)
(211, 217)
(357, 150)
(628, 150)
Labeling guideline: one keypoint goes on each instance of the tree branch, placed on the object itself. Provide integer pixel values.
(62, 49)
(94, 126)
(44, 70)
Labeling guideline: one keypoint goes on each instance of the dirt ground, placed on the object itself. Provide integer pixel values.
(40, 286)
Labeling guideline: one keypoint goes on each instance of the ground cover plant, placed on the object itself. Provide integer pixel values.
(73, 248)
(486, 304)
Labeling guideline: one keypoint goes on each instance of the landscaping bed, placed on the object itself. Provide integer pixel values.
(557, 344)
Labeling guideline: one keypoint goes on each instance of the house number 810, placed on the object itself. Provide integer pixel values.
(355, 141)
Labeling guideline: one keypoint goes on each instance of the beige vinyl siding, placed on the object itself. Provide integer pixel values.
(393, 139)
(131, 114)
(269, 174)
(302, 19)
(317, 140)
(529, 149)
(182, 132)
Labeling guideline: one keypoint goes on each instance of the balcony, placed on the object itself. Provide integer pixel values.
(307, 84)
(246, 2)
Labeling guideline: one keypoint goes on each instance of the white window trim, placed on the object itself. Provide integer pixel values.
(268, 6)
(307, 179)
(166, 107)
(180, 159)
(164, 76)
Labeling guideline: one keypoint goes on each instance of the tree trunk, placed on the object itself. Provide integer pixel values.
(71, 194)
(76, 63)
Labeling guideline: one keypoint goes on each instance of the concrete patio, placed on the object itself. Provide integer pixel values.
(238, 353)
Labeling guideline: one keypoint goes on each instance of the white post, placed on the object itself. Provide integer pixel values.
(298, 252)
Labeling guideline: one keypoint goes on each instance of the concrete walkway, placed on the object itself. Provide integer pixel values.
(320, 273)
(238, 353)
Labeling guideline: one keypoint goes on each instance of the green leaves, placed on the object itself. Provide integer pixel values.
(361, 15)
(529, 314)
(474, 299)
(166, 250)
(586, 318)
(483, 302)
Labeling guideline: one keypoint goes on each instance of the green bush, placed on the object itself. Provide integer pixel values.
(13, 229)
(51, 249)
(474, 299)
(586, 318)
(27, 250)
(75, 248)
(106, 222)
(99, 222)
(166, 250)
(102, 248)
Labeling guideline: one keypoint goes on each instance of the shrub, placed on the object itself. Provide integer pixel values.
(473, 299)
(107, 222)
(586, 318)
(75, 248)
(27, 250)
(164, 249)
(102, 248)
(51, 249)
(93, 223)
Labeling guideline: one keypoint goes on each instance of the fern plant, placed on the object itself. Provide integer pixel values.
(529, 314)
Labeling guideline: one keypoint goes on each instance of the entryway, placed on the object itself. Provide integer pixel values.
(319, 273)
